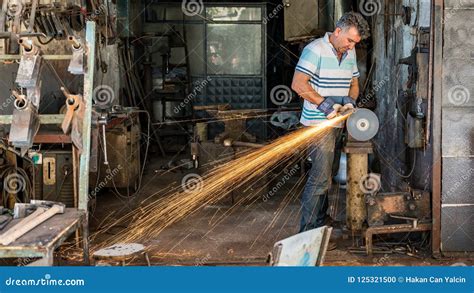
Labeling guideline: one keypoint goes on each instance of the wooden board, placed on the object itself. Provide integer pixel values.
(48, 235)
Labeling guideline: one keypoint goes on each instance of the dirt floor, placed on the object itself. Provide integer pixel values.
(244, 235)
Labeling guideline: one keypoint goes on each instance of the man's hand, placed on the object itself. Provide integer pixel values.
(329, 108)
(348, 104)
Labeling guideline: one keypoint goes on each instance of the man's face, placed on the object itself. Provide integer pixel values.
(345, 39)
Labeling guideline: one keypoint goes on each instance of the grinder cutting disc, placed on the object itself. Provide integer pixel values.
(363, 124)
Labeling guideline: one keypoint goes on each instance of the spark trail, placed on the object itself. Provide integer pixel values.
(149, 220)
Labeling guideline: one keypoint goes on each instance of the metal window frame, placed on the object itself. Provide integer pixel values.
(204, 21)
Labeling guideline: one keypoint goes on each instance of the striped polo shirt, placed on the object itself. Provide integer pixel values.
(329, 77)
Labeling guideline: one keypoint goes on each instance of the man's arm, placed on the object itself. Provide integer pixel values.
(354, 90)
(302, 87)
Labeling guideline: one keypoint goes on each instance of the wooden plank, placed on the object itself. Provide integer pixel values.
(46, 233)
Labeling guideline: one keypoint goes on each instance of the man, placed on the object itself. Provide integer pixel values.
(327, 78)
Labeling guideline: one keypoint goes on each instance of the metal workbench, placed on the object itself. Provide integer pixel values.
(42, 241)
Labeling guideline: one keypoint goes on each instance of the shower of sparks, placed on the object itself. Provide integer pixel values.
(150, 219)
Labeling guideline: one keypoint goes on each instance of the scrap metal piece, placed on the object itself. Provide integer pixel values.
(74, 117)
(25, 123)
(385, 206)
(76, 65)
(30, 65)
(389, 229)
(363, 125)
(303, 249)
(122, 252)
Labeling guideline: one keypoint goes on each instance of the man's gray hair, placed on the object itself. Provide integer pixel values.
(354, 19)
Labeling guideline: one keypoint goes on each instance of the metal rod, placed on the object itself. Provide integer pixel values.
(48, 119)
(106, 161)
(45, 57)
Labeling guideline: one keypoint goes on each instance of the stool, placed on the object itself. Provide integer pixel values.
(121, 252)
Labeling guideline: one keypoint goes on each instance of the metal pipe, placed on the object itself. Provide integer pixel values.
(27, 44)
(229, 142)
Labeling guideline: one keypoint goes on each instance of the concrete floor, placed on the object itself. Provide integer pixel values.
(246, 235)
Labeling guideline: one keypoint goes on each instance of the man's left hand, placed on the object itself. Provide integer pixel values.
(346, 100)
(348, 104)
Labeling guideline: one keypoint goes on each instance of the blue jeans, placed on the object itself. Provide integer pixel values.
(314, 199)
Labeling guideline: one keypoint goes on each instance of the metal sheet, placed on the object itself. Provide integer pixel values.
(25, 123)
(459, 4)
(458, 181)
(301, 18)
(86, 133)
(303, 249)
(44, 119)
(458, 88)
(381, 206)
(457, 233)
(458, 132)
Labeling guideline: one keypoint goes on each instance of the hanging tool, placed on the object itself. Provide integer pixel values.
(103, 124)
(74, 117)
(76, 65)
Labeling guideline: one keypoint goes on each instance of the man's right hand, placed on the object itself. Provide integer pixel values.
(329, 107)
